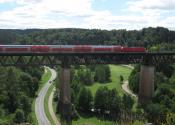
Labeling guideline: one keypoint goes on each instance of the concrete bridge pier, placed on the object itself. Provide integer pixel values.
(65, 95)
(146, 85)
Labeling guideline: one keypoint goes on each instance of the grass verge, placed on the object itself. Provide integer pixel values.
(44, 79)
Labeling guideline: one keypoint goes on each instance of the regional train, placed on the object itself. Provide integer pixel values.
(68, 49)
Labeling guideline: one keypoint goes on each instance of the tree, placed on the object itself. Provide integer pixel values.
(85, 100)
(13, 89)
(25, 104)
(35, 84)
(14, 93)
(101, 99)
(114, 103)
(121, 79)
(2, 112)
(170, 119)
(172, 79)
(19, 116)
(99, 74)
(127, 102)
(107, 73)
(80, 74)
(167, 70)
(85, 76)
(27, 84)
(156, 113)
(102, 74)
(34, 71)
(134, 82)
(88, 80)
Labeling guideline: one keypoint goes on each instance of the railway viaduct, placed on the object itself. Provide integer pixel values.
(147, 60)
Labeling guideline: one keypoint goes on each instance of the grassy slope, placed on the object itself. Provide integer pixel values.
(44, 79)
(91, 121)
(116, 71)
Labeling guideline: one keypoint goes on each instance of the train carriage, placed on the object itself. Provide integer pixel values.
(102, 48)
(68, 49)
(14, 48)
(133, 49)
(82, 48)
(61, 48)
(40, 48)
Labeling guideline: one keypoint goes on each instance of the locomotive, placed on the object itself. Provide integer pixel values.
(68, 49)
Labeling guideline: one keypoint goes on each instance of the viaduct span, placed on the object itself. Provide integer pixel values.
(147, 60)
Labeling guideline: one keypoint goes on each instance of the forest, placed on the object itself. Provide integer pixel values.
(146, 37)
(17, 91)
(18, 85)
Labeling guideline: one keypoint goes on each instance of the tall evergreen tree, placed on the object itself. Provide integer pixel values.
(85, 100)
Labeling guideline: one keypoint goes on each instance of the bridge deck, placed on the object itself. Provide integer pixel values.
(80, 53)
(153, 58)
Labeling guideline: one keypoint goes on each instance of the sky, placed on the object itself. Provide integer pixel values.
(90, 14)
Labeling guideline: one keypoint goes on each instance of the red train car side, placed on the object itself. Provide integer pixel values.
(133, 49)
(68, 48)
(82, 48)
(61, 49)
(40, 48)
(117, 48)
(102, 48)
(16, 49)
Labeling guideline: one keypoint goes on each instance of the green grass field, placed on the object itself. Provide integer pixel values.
(44, 79)
(92, 121)
(116, 71)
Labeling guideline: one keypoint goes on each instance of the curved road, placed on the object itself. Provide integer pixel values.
(39, 103)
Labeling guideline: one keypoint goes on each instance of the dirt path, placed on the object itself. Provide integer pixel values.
(125, 87)
(129, 66)
(52, 113)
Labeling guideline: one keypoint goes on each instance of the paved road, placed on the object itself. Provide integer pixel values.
(52, 113)
(39, 104)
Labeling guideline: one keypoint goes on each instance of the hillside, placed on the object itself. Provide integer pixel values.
(145, 37)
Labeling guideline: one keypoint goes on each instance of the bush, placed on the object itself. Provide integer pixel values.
(121, 79)
(19, 116)
(127, 102)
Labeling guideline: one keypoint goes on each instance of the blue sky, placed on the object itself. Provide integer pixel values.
(99, 14)
(114, 6)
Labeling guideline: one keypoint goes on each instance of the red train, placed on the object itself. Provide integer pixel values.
(67, 49)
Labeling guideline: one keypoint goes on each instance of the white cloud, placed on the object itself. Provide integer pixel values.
(136, 5)
(154, 11)
(152, 4)
(79, 14)
(38, 13)
(4, 1)
(18, 1)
